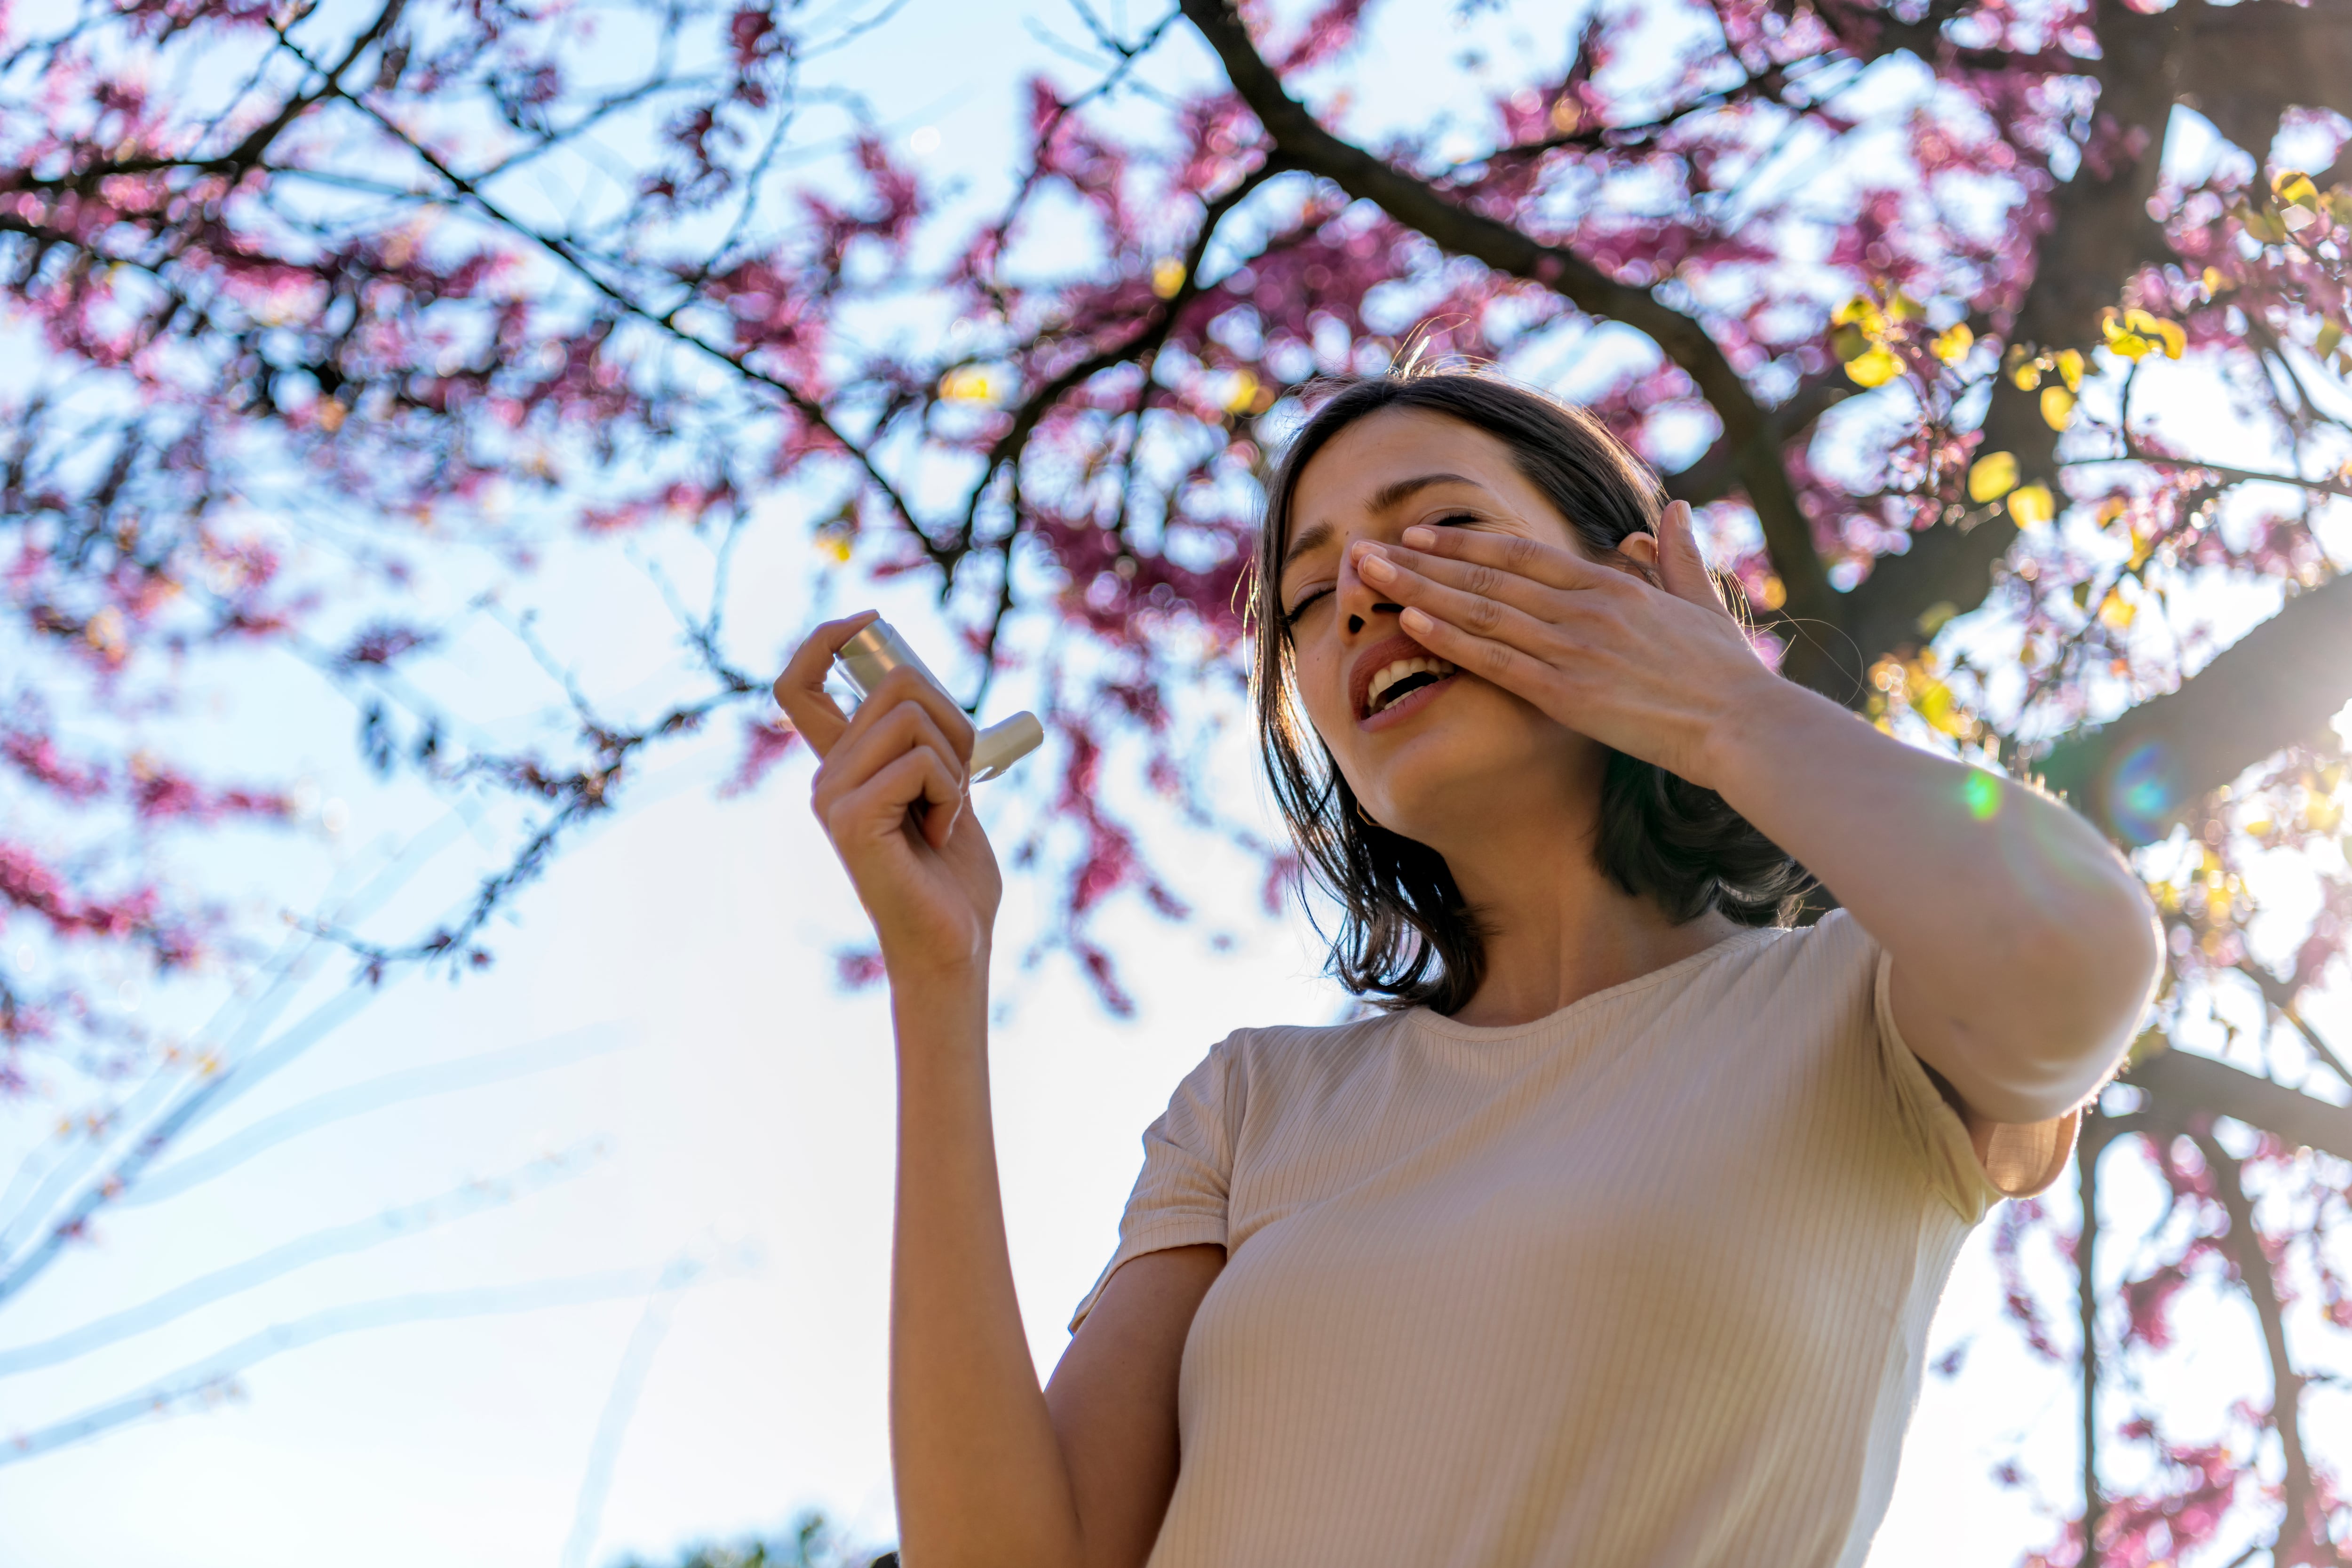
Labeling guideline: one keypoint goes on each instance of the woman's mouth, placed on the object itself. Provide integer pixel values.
(1399, 680)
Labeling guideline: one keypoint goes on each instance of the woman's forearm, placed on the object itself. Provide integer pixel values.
(2024, 948)
(981, 1478)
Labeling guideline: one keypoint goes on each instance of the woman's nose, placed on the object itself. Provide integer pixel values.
(1358, 604)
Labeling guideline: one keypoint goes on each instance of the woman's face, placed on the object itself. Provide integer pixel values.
(1431, 754)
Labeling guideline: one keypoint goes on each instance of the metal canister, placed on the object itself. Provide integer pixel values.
(877, 649)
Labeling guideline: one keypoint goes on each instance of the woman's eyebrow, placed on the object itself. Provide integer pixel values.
(1317, 535)
(1391, 495)
(1313, 537)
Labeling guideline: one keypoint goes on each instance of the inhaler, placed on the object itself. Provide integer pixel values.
(877, 649)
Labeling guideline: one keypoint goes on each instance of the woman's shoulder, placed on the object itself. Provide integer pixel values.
(1288, 1049)
(1834, 941)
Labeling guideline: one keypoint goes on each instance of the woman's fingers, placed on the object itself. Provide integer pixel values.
(903, 686)
(800, 691)
(916, 779)
(870, 752)
(1489, 659)
(1487, 603)
(1682, 565)
(1384, 566)
(874, 739)
(1553, 565)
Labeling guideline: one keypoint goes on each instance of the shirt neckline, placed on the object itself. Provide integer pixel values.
(1439, 1024)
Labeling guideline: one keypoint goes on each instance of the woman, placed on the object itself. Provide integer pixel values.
(1613, 1238)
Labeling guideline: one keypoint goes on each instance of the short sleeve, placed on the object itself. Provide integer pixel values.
(1188, 1163)
(2019, 1161)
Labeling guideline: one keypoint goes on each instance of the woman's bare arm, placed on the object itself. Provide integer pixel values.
(980, 1474)
(1113, 1399)
(2024, 949)
(986, 1475)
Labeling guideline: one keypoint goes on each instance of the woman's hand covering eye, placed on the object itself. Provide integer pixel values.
(1651, 668)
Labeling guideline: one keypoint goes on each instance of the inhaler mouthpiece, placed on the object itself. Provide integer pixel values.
(877, 649)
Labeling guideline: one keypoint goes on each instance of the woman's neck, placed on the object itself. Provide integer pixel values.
(1558, 929)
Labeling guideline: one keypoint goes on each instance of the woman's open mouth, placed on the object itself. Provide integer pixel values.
(1395, 684)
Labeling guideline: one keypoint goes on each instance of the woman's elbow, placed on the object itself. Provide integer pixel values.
(2087, 980)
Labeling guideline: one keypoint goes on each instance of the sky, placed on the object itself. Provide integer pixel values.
(587, 1254)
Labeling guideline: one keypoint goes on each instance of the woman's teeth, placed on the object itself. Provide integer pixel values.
(1394, 681)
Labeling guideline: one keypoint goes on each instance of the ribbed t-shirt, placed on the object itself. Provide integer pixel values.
(1641, 1284)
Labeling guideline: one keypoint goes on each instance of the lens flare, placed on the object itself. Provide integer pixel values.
(1982, 795)
(2143, 791)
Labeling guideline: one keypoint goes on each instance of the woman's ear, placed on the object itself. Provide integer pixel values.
(1637, 553)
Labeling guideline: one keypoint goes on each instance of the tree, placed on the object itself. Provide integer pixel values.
(810, 1542)
(1886, 290)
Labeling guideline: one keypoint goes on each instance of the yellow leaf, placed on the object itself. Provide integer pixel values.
(1936, 705)
(1903, 307)
(2057, 407)
(2262, 225)
(2214, 282)
(1852, 312)
(1244, 392)
(1993, 476)
(2132, 335)
(2032, 506)
(1775, 595)
(2115, 613)
(1876, 368)
(331, 415)
(2293, 185)
(2330, 334)
(1953, 343)
(2069, 368)
(1167, 277)
(967, 384)
(2028, 375)
(1849, 342)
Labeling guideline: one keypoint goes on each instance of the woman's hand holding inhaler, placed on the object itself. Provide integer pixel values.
(980, 1472)
(890, 789)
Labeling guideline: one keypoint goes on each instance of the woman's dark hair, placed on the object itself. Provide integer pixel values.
(1406, 936)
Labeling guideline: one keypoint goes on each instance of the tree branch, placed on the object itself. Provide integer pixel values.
(1140, 348)
(2100, 235)
(2305, 55)
(2274, 686)
(2092, 1142)
(2181, 1085)
(2245, 1245)
(1749, 430)
(580, 265)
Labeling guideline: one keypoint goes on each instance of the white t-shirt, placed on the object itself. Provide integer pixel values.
(1644, 1283)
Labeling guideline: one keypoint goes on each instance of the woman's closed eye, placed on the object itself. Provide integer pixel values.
(1306, 602)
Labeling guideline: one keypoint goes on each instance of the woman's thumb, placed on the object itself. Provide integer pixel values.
(1682, 565)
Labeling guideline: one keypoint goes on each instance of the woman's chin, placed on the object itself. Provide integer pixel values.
(1463, 760)
(1431, 788)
